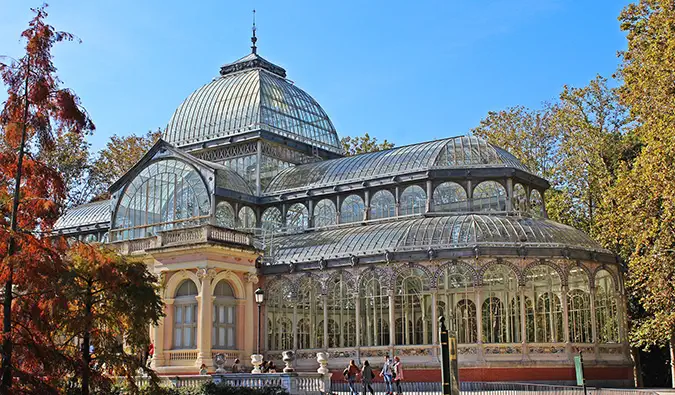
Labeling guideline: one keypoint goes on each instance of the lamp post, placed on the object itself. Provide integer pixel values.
(259, 298)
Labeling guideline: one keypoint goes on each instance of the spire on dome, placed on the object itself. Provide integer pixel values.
(254, 39)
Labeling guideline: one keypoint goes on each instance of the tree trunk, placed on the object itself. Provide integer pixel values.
(6, 383)
(86, 355)
(637, 369)
(672, 360)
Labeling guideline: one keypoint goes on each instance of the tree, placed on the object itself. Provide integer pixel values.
(643, 198)
(110, 298)
(119, 155)
(71, 158)
(36, 110)
(363, 144)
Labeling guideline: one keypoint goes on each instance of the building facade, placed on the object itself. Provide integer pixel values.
(358, 256)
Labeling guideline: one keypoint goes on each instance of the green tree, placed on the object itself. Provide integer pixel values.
(642, 223)
(120, 154)
(363, 144)
(71, 159)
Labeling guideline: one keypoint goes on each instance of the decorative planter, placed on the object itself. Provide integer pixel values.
(256, 361)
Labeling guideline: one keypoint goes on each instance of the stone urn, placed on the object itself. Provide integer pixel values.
(322, 359)
(219, 361)
(288, 357)
(256, 361)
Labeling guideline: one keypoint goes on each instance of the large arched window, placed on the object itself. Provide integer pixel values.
(271, 220)
(450, 197)
(325, 213)
(413, 200)
(185, 316)
(225, 215)
(519, 199)
(489, 196)
(382, 205)
(342, 311)
(247, 220)
(374, 312)
(352, 209)
(606, 312)
(224, 317)
(164, 195)
(297, 217)
(309, 309)
(412, 307)
(456, 291)
(501, 307)
(545, 323)
(536, 204)
(280, 316)
(579, 306)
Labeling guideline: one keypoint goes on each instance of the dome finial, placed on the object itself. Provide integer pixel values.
(254, 39)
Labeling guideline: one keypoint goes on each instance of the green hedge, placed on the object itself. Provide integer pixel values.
(211, 389)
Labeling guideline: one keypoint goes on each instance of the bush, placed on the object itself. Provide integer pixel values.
(211, 389)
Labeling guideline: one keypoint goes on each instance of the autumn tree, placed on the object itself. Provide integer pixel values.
(363, 144)
(642, 223)
(37, 111)
(110, 299)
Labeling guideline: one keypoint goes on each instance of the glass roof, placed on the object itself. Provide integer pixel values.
(228, 179)
(464, 151)
(421, 233)
(86, 214)
(248, 96)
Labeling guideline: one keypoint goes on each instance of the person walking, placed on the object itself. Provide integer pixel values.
(350, 373)
(367, 377)
(386, 373)
(398, 375)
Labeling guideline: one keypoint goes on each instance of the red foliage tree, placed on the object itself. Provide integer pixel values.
(36, 110)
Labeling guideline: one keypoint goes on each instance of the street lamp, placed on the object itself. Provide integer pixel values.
(259, 298)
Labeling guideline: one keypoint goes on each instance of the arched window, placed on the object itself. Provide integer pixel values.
(185, 316)
(579, 306)
(450, 197)
(297, 217)
(280, 315)
(309, 310)
(544, 287)
(325, 213)
(501, 308)
(519, 200)
(382, 205)
(412, 302)
(413, 200)
(352, 209)
(225, 215)
(271, 220)
(606, 312)
(374, 312)
(455, 289)
(489, 196)
(342, 310)
(536, 204)
(247, 218)
(166, 194)
(224, 317)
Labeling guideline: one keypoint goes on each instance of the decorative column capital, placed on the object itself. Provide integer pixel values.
(251, 278)
(206, 273)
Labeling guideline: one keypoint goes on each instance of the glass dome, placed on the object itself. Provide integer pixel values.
(251, 94)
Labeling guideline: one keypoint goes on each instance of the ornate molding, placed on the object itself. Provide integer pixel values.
(206, 273)
(251, 278)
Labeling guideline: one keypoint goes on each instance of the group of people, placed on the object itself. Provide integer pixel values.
(391, 373)
(236, 368)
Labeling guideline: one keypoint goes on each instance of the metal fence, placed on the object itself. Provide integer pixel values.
(489, 388)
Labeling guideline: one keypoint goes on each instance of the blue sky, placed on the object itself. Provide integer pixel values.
(404, 71)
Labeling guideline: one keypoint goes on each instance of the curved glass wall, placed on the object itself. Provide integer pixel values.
(325, 213)
(606, 311)
(519, 200)
(501, 306)
(450, 197)
(309, 308)
(413, 200)
(341, 306)
(489, 196)
(382, 205)
(225, 215)
(247, 220)
(374, 319)
(536, 204)
(413, 308)
(167, 194)
(579, 306)
(352, 209)
(279, 306)
(456, 298)
(297, 217)
(544, 320)
(271, 220)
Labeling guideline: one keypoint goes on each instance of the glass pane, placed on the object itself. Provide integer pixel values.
(187, 338)
(178, 332)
